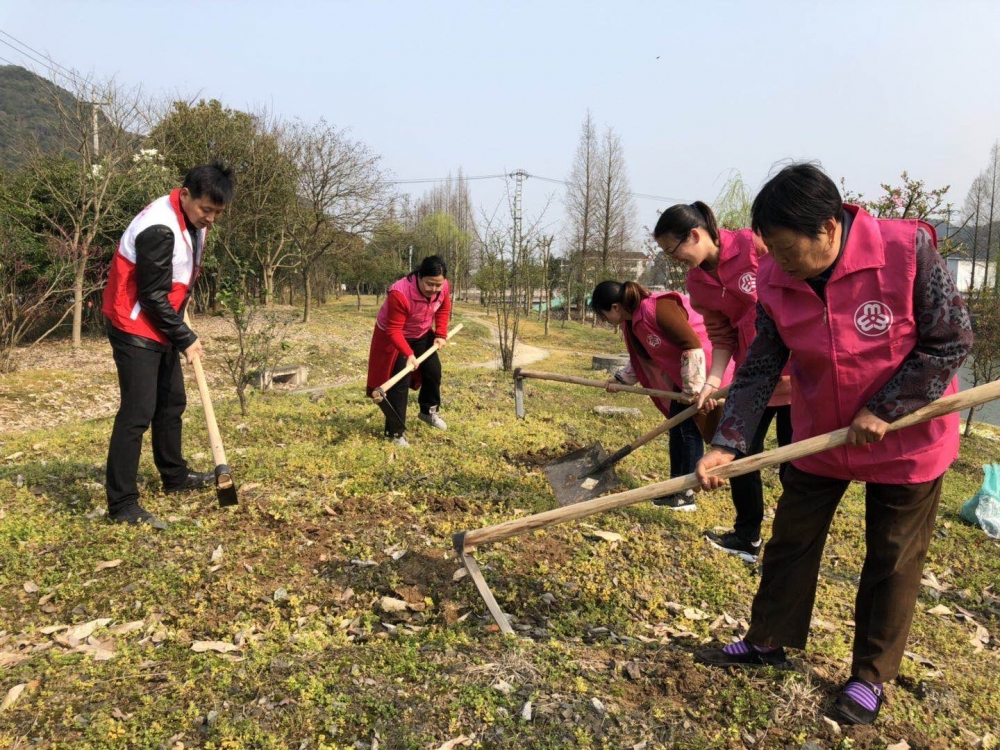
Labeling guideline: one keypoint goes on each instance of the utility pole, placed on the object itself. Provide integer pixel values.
(519, 176)
(95, 126)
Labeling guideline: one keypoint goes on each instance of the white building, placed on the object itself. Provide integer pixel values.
(960, 268)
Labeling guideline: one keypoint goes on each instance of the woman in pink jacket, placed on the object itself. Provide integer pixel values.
(668, 350)
(722, 284)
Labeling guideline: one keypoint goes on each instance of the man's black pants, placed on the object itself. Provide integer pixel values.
(152, 393)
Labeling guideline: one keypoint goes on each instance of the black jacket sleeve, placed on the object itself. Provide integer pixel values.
(154, 272)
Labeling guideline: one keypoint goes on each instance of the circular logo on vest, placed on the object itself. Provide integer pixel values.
(873, 318)
(653, 340)
(748, 283)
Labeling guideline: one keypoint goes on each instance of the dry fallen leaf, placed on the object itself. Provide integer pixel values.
(8, 659)
(221, 646)
(217, 554)
(12, 695)
(607, 536)
(462, 741)
(30, 587)
(107, 564)
(940, 609)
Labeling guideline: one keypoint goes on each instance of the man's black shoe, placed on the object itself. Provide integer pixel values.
(135, 515)
(194, 480)
(751, 657)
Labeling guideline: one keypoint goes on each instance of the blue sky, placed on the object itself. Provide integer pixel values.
(695, 89)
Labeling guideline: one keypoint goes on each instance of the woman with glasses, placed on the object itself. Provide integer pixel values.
(722, 282)
(668, 350)
(413, 318)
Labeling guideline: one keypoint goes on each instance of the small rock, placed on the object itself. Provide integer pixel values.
(633, 671)
(548, 598)
(901, 745)
(832, 726)
(504, 687)
(598, 706)
(526, 711)
(280, 595)
(391, 604)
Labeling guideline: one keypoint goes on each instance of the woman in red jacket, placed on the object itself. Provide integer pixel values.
(722, 284)
(413, 319)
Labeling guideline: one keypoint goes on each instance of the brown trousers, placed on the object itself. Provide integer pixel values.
(899, 520)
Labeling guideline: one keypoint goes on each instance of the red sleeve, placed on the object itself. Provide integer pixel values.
(399, 311)
(443, 315)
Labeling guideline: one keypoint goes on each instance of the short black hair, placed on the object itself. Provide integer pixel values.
(213, 181)
(432, 265)
(799, 198)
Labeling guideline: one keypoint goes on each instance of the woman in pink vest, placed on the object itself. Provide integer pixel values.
(722, 283)
(413, 318)
(668, 349)
(876, 329)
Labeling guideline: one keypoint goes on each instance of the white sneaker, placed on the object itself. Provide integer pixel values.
(433, 419)
(400, 441)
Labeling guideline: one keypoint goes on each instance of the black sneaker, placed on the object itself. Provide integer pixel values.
(195, 480)
(679, 501)
(748, 657)
(135, 515)
(734, 544)
(848, 706)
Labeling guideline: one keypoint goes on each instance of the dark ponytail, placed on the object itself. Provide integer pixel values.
(629, 295)
(679, 220)
(432, 265)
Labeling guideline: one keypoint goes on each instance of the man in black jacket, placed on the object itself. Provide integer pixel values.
(152, 275)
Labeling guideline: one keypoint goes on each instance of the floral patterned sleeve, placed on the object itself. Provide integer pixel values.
(944, 338)
(752, 387)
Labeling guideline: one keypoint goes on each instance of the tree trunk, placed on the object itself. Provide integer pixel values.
(357, 289)
(307, 288)
(268, 273)
(968, 423)
(81, 270)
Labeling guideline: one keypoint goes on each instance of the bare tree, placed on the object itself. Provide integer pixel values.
(27, 293)
(342, 191)
(616, 210)
(992, 176)
(975, 205)
(581, 209)
(83, 197)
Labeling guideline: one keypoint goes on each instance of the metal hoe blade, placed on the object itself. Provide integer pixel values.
(484, 591)
(571, 478)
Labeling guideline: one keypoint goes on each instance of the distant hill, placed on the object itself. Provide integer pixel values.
(27, 113)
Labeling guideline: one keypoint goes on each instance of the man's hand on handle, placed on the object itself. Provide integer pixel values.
(195, 350)
(715, 457)
(440, 341)
(411, 362)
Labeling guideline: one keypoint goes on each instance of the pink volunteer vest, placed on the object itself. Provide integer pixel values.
(734, 294)
(421, 310)
(845, 351)
(663, 370)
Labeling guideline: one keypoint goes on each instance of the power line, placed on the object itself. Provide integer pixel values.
(41, 60)
(40, 54)
(641, 196)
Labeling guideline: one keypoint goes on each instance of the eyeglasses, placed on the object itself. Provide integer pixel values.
(670, 253)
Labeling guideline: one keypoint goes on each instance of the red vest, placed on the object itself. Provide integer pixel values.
(421, 310)
(662, 371)
(121, 299)
(843, 352)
